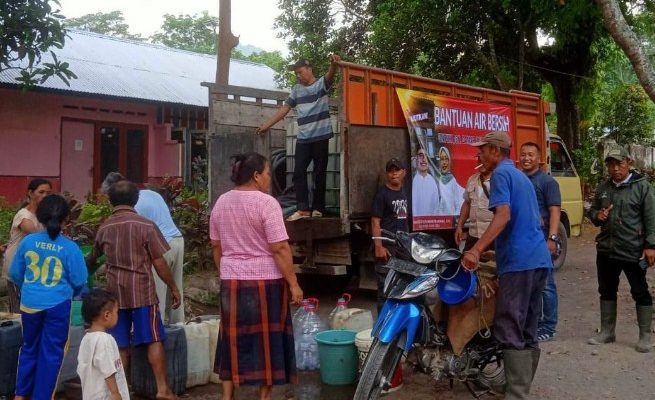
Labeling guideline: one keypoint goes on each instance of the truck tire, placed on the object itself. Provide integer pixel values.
(559, 261)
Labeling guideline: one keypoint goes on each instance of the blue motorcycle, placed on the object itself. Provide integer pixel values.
(456, 346)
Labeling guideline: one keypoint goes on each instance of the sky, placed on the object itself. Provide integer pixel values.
(252, 20)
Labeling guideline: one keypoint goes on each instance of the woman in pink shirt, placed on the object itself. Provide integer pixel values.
(250, 247)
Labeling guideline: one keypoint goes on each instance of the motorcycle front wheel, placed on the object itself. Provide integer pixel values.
(379, 368)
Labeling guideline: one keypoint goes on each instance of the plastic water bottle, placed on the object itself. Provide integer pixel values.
(307, 346)
(342, 304)
(297, 323)
(299, 314)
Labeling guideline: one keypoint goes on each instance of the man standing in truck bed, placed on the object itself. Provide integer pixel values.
(310, 99)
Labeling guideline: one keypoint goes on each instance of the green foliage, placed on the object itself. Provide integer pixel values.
(272, 59)
(314, 29)
(28, 29)
(586, 158)
(195, 33)
(190, 211)
(111, 23)
(627, 115)
(86, 218)
(6, 217)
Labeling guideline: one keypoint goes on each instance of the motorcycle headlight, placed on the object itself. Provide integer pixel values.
(424, 255)
(420, 285)
(426, 248)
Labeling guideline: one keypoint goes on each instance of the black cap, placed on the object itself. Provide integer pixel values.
(303, 62)
(395, 163)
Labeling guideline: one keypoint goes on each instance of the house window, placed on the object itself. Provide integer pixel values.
(121, 148)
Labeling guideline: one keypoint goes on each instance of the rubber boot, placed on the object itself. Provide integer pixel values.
(518, 373)
(644, 319)
(607, 323)
(536, 354)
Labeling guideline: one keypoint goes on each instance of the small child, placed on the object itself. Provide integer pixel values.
(99, 362)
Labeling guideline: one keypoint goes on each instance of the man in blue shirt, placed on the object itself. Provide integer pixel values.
(549, 200)
(522, 259)
(310, 99)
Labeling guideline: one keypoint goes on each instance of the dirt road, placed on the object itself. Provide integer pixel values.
(569, 368)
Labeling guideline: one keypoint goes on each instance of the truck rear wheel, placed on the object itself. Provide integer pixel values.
(559, 261)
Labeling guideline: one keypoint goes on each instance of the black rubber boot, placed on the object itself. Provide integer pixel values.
(644, 319)
(536, 354)
(519, 370)
(607, 323)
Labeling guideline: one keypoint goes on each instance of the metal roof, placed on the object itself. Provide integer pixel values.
(125, 68)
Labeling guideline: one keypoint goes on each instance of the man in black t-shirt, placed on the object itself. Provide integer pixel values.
(389, 212)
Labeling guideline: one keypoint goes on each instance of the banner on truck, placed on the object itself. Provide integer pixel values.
(441, 129)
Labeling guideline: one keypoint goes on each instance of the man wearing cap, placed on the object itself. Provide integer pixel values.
(522, 259)
(389, 212)
(624, 208)
(310, 99)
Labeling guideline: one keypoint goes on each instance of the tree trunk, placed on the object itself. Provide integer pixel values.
(629, 43)
(567, 112)
(226, 42)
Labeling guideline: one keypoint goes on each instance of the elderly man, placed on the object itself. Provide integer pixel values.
(624, 208)
(522, 259)
(310, 99)
(152, 206)
(133, 244)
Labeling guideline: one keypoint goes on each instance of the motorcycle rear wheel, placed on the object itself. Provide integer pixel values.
(381, 363)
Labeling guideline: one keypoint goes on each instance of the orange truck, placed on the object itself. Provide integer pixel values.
(370, 128)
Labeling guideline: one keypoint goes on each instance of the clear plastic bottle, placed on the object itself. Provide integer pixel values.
(299, 314)
(297, 323)
(307, 346)
(342, 304)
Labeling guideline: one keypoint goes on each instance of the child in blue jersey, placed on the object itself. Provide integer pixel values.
(49, 269)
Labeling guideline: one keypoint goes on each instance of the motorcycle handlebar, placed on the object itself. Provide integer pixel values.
(383, 238)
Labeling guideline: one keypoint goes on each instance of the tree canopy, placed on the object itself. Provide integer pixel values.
(28, 29)
(111, 23)
(504, 44)
(195, 33)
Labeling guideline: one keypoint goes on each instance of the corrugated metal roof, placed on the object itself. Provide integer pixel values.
(125, 68)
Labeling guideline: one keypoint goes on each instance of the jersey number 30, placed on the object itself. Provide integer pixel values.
(43, 272)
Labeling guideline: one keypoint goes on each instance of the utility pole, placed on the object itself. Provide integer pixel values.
(226, 42)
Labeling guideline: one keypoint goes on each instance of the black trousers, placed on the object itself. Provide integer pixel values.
(518, 308)
(305, 154)
(609, 270)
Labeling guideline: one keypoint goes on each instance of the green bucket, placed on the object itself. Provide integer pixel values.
(76, 313)
(338, 357)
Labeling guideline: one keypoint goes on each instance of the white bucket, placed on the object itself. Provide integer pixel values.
(363, 341)
(214, 327)
(197, 342)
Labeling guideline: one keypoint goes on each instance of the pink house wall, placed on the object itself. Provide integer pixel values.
(30, 135)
